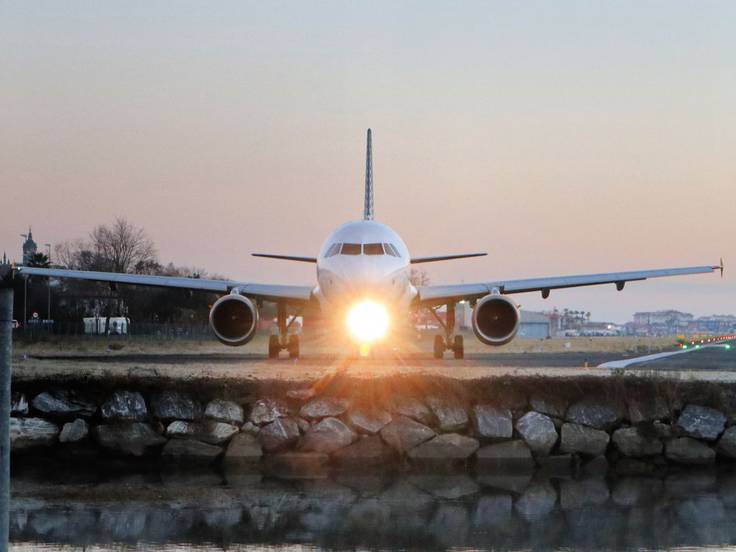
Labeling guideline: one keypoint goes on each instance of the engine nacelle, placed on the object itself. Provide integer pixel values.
(496, 320)
(233, 318)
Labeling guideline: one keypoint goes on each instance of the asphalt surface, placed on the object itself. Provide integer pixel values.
(551, 360)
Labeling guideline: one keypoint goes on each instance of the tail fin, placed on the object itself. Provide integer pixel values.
(368, 206)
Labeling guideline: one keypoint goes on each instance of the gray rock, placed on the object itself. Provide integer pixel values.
(551, 405)
(538, 431)
(511, 456)
(244, 449)
(132, 438)
(629, 491)
(449, 487)
(635, 466)
(414, 409)
(448, 446)
(327, 436)
(125, 406)
(451, 415)
(663, 431)
(208, 431)
(689, 451)
(630, 442)
(599, 414)
(224, 411)
(301, 394)
(28, 433)
(701, 422)
(250, 428)
(493, 511)
(727, 443)
(173, 405)
(73, 432)
(368, 421)
(368, 452)
(324, 407)
(491, 422)
(63, 403)
(504, 481)
(537, 501)
(266, 411)
(279, 434)
(190, 451)
(597, 467)
(18, 405)
(299, 464)
(647, 408)
(557, 464)
(403, 434)
(579, 493)
(583, 440)
(303, 424)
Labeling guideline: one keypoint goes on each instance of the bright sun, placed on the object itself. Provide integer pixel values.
(368, 321)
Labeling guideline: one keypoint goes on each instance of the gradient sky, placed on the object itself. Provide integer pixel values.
(561, 137)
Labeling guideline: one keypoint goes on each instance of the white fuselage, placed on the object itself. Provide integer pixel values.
(364, 260)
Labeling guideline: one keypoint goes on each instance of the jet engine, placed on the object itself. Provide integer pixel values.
(495, 320)
(233, 318)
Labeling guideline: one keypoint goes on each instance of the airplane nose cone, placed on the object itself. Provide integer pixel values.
(366, 281)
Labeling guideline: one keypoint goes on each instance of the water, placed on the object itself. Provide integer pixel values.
(690, 510)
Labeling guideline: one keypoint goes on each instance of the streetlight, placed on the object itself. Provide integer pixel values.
(48, 283)
(25, 292)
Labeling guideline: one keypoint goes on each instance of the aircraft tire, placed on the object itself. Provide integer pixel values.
(439, 346)
(293, 346)
(459, 347)
(274, 346)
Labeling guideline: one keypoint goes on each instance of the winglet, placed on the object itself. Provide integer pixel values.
(721, 267)
(368, 205)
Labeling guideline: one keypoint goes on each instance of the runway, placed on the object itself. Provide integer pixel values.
(709, 363)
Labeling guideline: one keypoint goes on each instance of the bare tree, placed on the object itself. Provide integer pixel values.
(122, 247)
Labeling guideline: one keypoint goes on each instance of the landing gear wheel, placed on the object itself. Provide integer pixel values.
(293, 346)
(274, 346)
(439, 346)
(459, 347)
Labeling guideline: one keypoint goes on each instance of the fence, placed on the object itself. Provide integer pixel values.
(138, 330)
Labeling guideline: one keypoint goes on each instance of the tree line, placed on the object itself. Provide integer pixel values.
(119, 247)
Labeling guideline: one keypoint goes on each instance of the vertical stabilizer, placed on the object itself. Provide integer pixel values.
(368, 206)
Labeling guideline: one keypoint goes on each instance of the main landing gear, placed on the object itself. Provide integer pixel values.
(283, 341)
(448, 342)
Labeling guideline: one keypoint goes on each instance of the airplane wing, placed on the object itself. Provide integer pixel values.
(267, 292)
(415, 260)
(438, 294)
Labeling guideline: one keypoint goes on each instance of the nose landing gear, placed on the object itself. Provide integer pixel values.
(448, 342)
(283, 341)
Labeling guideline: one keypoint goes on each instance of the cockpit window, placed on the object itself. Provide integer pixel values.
(391, 249)
(333, 250)
(351, 249)
(373, 249)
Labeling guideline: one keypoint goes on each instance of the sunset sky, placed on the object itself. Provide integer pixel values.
(560, 137)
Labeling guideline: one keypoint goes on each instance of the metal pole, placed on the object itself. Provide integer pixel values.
(48, 284)
(25, 304)
(6, 349)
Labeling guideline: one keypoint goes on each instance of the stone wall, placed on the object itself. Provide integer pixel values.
(633, 425)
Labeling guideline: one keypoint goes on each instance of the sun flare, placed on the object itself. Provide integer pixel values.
(368, 321)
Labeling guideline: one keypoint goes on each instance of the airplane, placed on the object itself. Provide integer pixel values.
(363, 277)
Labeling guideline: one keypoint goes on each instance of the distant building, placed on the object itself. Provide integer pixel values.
(30, 248)
(658, 323)
(535, 325)
(715, 324)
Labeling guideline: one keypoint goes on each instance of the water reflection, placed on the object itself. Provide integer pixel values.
(210, 511)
